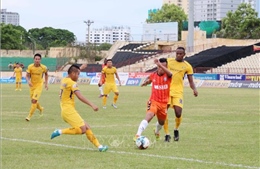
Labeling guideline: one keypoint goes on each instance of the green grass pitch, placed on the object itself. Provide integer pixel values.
(220, 129)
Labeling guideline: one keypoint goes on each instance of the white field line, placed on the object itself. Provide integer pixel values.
(137, 154)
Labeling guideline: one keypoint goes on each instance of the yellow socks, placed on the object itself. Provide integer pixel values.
(91, 137)
(104, 100)
(166, 127)
(178, 122)
(73, 131)
(39, 106)
(16, 86)
(32, 110)
(115, 99)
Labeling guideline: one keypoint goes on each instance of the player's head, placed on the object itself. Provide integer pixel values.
(73, 72)
(17, 65)
(163, 61)
(180, 53)
(37, 59)
(109, 63)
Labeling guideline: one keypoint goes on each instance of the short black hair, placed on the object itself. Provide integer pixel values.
(163, 60)
(182, 48)
(37, 54)
(73, 68)
(109, 60)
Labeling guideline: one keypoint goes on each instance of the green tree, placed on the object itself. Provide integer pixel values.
(169, 13)
(50, 37)
(104, 46)
(241, 24)
(11, 37)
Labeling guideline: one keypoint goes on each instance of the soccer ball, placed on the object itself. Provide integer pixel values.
(142, 142)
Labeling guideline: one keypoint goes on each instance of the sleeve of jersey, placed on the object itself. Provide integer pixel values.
(74, 87)
(28, 69)
(190, 70)
(151, 76)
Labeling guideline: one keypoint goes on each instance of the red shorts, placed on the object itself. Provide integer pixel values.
(159, 109)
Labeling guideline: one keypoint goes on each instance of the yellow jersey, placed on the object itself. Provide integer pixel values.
(36, 73)
(67, 89)
(178, 69)
(18, 72)
(110, 74)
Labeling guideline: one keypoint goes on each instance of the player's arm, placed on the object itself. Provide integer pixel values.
(85, 100)
(46, 79)
(118, 78)
(167, 71)
(147, 81)
(192, 85)
(28, 79)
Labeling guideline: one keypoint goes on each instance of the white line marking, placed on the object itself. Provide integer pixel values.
(130, 153)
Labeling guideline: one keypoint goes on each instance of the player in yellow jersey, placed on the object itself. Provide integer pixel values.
(179, 68)
(34, 77)
(18, 77)
(110, 72)
(68, 90)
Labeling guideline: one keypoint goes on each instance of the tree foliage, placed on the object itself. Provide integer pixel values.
(169, 13)
(50, 37)
(11, 37)
(16, 37)
(241, 24)
(104, 46)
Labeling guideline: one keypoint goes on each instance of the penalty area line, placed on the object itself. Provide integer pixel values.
(131, 153)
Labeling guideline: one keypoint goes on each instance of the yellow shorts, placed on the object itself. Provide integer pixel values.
(18, 79)
(110, 87)
(176, 101)
(71, 116)
(35, 92)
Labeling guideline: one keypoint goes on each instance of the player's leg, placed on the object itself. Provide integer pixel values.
(116, 94)
(161, 116)
(178, 119)
(106, 92)
(100, 88)
(151, 109)
(20, 86)
(166, 123)
(38, 92)
(35, 95)
(178, 105)
(92, 138)
(16, 84)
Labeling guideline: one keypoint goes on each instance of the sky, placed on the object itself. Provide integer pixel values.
(71, 14)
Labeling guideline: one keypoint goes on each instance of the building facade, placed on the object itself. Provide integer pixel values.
(213, 10)
(10, 17)
(109, 35)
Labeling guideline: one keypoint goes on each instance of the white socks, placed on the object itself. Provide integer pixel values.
(101, 90)
(158, 128)
(142, 127)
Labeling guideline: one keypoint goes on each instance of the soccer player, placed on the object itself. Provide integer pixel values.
(68, 90)
(110, 72)
(34, 77)
(18, 77)
(179, 67)
(102, 79)
(157, 104)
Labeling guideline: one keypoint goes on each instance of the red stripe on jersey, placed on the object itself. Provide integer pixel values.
(160, 87)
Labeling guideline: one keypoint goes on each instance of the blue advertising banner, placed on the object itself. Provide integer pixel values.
(133, 81)
(11, 80)
(232, 77)
(202, 76)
